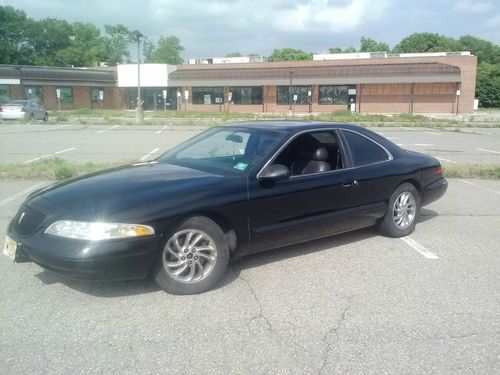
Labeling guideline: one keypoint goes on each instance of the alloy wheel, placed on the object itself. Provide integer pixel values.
(404, 210)
(189, 256)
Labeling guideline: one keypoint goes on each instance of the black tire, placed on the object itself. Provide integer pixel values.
(388, 225)
(32, 117)
(168, 282)
(46, 117)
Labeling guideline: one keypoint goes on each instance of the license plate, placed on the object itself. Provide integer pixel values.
(10, 247)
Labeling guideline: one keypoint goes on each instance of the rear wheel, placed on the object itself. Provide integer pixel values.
(402, 213)
(46, 117)
(32, 116)
(193, 259)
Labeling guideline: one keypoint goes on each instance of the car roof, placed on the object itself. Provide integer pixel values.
(289, 126)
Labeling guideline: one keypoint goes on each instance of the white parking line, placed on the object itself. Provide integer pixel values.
(481, 187)
(434, 133)
(110, 128)
(494, 152)
(423, 144)
(447, 160)
(159, 131)
(419, 248)
(3, 202)
(49, 155)
(149, 154)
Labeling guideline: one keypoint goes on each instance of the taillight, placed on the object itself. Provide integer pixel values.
(439, 170)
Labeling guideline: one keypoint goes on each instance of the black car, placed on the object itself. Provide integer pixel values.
(228, 192)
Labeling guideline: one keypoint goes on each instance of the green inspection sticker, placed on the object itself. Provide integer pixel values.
(241, 166)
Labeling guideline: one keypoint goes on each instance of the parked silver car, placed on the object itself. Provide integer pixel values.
(23, 110)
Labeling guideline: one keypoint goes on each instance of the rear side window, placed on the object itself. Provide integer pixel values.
(363, 150)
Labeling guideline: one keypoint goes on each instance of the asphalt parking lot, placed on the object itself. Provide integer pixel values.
(116, 143)
(355, 303)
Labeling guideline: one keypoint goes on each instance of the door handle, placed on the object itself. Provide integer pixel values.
(350, 183)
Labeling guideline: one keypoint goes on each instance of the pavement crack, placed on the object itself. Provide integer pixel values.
(260, 314)
(334, 330)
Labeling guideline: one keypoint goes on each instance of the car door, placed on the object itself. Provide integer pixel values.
(302, 207)
(370, 174)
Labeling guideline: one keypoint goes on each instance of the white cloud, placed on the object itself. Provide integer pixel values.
(474, 7)
(491, 29)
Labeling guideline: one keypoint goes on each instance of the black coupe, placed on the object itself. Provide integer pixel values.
(228, 192)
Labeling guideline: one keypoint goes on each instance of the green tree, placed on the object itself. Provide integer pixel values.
(370, 45)
(426, 42)
(14, 40)
(116, 43)
(168, 51)
(234, 54)
(484, 50)
(488, 84)
(289, 54)
(349, 49)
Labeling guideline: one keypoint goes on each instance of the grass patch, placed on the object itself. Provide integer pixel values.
(486, 171)
(52, 169)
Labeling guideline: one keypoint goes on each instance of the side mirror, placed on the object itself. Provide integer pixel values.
(234, 138)
(275, 172)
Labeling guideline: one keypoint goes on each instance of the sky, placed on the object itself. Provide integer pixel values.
(213, 28)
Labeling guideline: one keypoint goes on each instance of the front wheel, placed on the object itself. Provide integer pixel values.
(402, 213)
(46, 117)
(193, 259)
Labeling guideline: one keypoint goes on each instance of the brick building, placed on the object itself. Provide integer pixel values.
(361, 82)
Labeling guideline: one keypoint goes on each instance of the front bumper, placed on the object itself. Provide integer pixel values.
(82, 260)
(434, 191)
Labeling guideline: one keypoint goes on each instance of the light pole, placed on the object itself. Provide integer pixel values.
(139, 115)
(20, 70)
(290, 91)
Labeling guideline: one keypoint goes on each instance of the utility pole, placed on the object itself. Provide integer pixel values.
(20, 70)
(290, 91)
(139, 115)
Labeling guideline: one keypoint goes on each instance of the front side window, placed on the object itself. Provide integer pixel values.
(286, 94)
(312, 153)
(363, 150)
(208, 95)
(4, 94)
(66, 94)
(333, 94)
(34, 93)
(246, 95)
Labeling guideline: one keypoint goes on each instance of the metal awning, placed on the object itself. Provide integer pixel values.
(334, 74)
(64, 76)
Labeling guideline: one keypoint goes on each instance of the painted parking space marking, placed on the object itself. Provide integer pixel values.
(415, 144)
(149, 154)
(110, 128)
(493, 152)
(49, 155)
(481, 187)
(7, 200)
(162, 129)
(433, 133)
(419, 248)
(447, 160)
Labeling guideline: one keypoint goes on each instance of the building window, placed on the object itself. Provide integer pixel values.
(95, 95)
(66, 94)
(246, 95)
(286, 94)
(34, 93)
(4, 94)
(208, 95)
(334, 94)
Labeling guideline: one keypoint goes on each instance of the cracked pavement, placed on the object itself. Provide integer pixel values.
(355, 303)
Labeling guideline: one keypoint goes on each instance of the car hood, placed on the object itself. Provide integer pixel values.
(115, 192)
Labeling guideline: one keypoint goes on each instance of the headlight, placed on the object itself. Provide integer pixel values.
(96, 231)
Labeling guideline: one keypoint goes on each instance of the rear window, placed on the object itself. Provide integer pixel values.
(363, 150)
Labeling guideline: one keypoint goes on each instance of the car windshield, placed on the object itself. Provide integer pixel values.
(224, 151)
